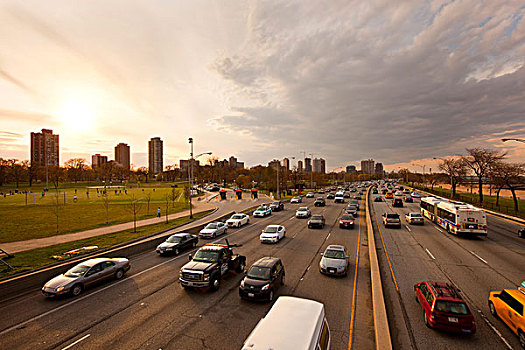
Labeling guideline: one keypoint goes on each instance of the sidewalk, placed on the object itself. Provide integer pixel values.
(20, 246)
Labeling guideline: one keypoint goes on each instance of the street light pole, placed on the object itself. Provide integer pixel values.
(190, 172)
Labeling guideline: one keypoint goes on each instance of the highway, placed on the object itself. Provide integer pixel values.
(148, 309)
(475, 265)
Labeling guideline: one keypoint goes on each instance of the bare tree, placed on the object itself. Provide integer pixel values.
(134, 206)
(479, 161)
(56, 175)
(173, 197)
(455, 169)
(148, 200)
(167, 205)
(507, 175)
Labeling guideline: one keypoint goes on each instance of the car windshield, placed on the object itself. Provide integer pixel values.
(452, 307)
(206, 256)
(174, 239)
(415, 215)
(77, 271)
(392, 216)
(302, 209)
(346, 217)
(211, 226)
(334, 254)
(352, 207)
(271, 229)
(317, 217)
(275, 203)
(237, 217)
(261, 208)
(259, 273)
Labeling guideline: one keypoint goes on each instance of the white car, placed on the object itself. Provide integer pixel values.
(213, 229)
(303, 212)
(296, 200)
(272, 234)
(310, 195)
(415, 195)
(414, 218)
(262, 211)
(237, 220)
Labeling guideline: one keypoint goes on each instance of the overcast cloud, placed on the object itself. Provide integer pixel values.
(397, 81)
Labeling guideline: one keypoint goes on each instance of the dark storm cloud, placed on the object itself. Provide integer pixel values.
(397, 82)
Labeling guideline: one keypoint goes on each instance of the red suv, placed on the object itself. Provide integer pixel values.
(444, 308)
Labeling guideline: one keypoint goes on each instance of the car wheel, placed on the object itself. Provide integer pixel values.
(493, 310)
(521, 233)
(176, 251)
(76, 290)
(270, 296)
(119, 274)
(426, 319)
(241, 267)
(522, 339)
(215, 284)
(282, 279)
(194, 244)
(214, 235)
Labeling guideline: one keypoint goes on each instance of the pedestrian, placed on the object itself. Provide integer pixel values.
(75, 198)
(158, 212)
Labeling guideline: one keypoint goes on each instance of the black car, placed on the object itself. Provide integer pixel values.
(277, 206)
(358, 197)
(521, 233)
(374, 191)
(346, 195)
(263, 279)
(378, 199)
(397, 202)
(352, 210)
(330, 196)
(316, 221)
(177, 243)
(319, 202)
(409, 199)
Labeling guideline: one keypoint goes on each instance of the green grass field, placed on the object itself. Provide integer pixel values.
(31, 216)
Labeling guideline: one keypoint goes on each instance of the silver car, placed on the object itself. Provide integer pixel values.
(213, 229)
(335, 260)
(86, 274)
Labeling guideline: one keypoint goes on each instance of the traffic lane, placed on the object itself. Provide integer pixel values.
(411, 263)
(214, 328)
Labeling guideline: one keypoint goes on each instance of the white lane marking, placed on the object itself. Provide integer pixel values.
(408, 228)
(437, 228)
(292, 217)
(479, 257)
(429, 253)
(494, 329)
(328, 235)
(76, 342)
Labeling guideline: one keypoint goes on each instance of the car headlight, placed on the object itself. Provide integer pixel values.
(242, 284)
(59, 289)
(206, 276)
(266, 286)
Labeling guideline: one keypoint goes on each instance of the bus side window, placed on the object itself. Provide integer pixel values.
(324, 339)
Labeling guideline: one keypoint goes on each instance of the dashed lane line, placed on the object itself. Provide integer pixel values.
(76, 342)
(430, 254)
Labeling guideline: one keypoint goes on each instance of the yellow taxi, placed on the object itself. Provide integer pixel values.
(389, 195)
(509, 305)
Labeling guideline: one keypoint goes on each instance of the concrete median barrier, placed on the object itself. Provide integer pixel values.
(381, 327)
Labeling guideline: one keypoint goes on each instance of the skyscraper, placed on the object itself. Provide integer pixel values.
(286, 164)
(300, 166)
(98, 160)
(44, 148)
(308, 165)
(367, 166)
(319, 165)
(275, 164)
(379, 168)
(155, 155)
(122, 155)
(350, 169)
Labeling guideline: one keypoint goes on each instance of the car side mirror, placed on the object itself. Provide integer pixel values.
(190, 257)
(322, 254)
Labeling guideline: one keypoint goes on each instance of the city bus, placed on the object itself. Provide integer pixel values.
(428, 207)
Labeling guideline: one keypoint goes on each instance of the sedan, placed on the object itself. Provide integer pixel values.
(177, 243)
(415, 195)
(272, 234)
(237, 220)
(303, 212)
(378, 199)
(296, 200)
(414, 218)
(316, 221)
(86, 274)
(352, 210)
(310, 195)
(277, 206)
(213, 229)
(346, 221)
(262, 211)
(334, 261)
(409, 199)
(330, 196)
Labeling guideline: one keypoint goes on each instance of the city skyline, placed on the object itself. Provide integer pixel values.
(110, 74)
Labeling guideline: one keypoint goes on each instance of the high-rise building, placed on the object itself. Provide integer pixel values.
(350, 169)
(185, 163)
(98, 160)
(286, 164)
(155, 155)
(319, 165)
(233, 162)
(379, 168)
(275, 164)
(300, 166)
(308, 165)
(367, 166)
(122, 155)
(44, 148)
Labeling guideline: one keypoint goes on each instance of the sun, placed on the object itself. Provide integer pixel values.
(77, 114)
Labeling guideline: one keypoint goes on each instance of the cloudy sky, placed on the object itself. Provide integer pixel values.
(397, 81)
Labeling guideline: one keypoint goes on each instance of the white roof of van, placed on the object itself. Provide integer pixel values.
(291, 323)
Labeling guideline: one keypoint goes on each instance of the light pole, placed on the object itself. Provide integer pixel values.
(190, 171)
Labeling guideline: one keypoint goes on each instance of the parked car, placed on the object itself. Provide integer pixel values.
(378, 199)
(86, 274)
(444, 307)
(177, 243)
(262, 211)
(213, 229)
(346, 221)
(509, 306)
(334, 261)
(391, 219)
(310, 195)
(316, 221)
(296, 200)
(277, 206)
(262, 280)
(303, 212)
(237, 220)
(414, 218)
(397, 202)
(408, 199)
(272, 234)
(319, 202)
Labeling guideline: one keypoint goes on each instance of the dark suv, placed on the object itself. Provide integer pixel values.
(444, 307)
(319, 202)
(277, 206)
(397, 202)
(263, 279)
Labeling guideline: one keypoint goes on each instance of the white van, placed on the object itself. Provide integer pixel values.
(292, 323)
(340, 197)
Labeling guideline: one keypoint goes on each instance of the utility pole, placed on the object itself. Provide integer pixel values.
(190, 172)
(311, 169)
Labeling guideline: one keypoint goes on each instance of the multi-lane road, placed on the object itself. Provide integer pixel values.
(475, 265)
(148, 309)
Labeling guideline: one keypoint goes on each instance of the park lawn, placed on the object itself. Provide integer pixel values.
(22, 222)
(35, 258)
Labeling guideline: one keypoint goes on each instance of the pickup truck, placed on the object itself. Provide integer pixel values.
(209, 265)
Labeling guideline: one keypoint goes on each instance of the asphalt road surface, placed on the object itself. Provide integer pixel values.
(475, 265)
(148, 309)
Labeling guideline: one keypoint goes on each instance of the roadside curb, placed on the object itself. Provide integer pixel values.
(381, 327)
